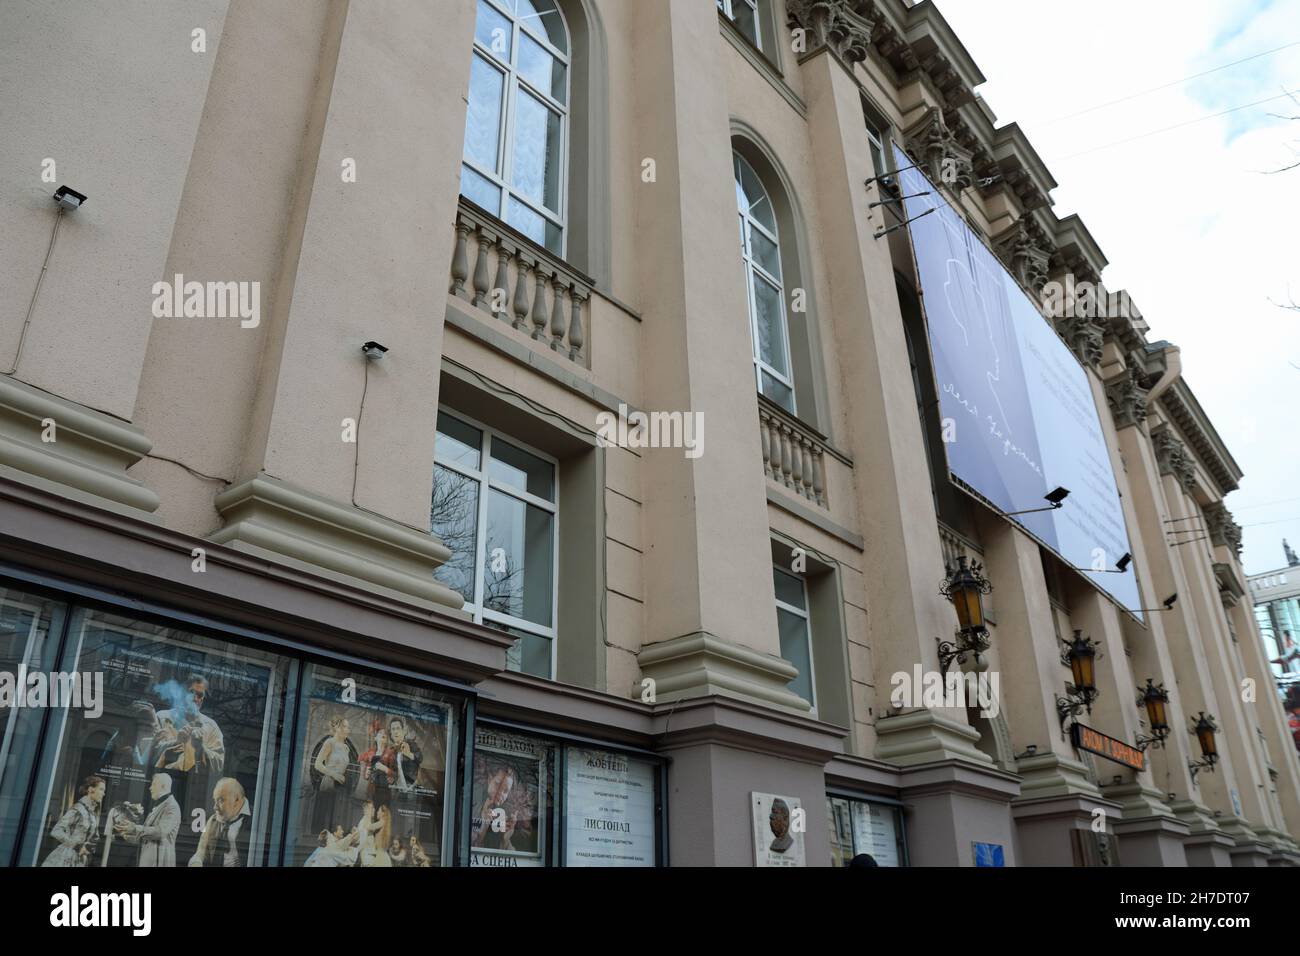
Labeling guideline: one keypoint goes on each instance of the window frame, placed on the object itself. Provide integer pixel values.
(806, 614)
(754, 268)
(512, 81)
(728, 9)
(486, 483)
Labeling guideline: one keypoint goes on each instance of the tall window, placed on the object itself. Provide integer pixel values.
(516, 127)
(761, 250)
(795, 635)
(744, 14)
(494, 506)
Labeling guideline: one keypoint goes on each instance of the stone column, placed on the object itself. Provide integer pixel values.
(710, 624)
(361, 260)
(903, 565)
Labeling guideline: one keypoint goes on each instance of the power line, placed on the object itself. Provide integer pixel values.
(1166, 129)
(1164, 86)
(1260, 524)
(1265, 504)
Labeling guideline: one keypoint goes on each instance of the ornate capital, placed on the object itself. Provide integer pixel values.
(1085, 336)
(1025, 255)
(1224, 531)
(1127, 398)
(1173, 458)
(833, 24)
(940, 151)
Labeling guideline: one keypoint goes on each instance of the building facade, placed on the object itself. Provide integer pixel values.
(1276, 596)
(401, 434)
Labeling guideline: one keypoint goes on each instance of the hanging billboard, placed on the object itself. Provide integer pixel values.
(1018, 410)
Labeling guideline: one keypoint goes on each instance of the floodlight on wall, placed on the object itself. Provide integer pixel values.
(69, 198)
(1055, 498)
(373, 351)
(1167, 604)
(1120, 566)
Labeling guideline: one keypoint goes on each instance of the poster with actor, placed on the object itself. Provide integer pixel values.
(510, 796)
(182, 712)
(371, 781)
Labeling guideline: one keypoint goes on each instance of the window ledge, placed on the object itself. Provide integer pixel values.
(759, 60)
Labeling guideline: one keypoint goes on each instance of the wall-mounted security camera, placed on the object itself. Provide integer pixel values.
(69, 198)
(373, 351)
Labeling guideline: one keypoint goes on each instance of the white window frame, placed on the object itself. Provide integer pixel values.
(805, 613)
(486, 483)
(754, 268)
(506, 125)
(728, 8)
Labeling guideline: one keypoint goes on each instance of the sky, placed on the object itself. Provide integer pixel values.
(1204, 239)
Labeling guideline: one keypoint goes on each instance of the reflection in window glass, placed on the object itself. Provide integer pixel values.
(371, 785)
(30, 627)
(175, 769)
(499, 522)
(519, 568)
(513, 795)
(520, 103)
(761, 255)
(793, 631)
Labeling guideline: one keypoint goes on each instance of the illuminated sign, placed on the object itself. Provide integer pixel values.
(1094, 741)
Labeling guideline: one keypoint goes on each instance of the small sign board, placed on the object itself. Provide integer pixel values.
(1094, 741)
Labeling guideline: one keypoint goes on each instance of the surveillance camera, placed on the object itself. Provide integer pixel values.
(373, 350)
(69, 198)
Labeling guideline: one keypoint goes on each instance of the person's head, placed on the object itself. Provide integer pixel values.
(500, 784)
(381, 739)
(228, 798)
(396, 730)
(338, 832)
(339, 727)
(415, 844)
(862, 859)
(160, 786)
(779, 818)
(322, 838)
(94, 787)
(395, 846)
(198, 687)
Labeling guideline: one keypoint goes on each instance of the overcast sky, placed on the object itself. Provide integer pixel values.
(1193, 228)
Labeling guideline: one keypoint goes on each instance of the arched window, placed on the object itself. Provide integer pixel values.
(760, 248)
(516, 127)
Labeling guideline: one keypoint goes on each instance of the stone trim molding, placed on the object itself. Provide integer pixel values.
(700, 664)
(90, 453)
(265, 514)
(925, 736)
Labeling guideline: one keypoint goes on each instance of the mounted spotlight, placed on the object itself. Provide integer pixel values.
(1080, 654)
(1055, 499)
(69, 198)
(1168, 604)
(373, 351)
(1155, 699)
(964, 587)
(1205, 729)
(1122, 564)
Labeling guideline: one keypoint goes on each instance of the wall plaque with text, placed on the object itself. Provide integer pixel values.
(1094, 741)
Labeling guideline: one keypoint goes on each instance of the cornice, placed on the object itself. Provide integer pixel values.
(1186, 412)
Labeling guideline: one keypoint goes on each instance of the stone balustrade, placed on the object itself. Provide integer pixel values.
(511, 278)
(793, 454)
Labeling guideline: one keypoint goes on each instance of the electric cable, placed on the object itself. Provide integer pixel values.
(22, 337)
